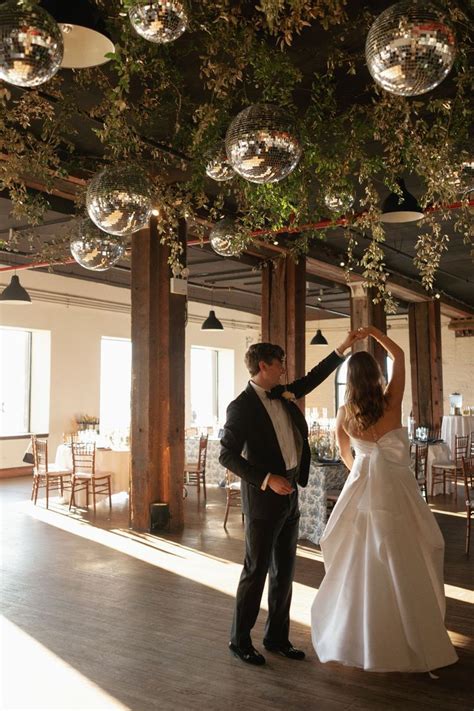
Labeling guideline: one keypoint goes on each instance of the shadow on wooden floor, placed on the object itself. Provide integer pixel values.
(101, 617)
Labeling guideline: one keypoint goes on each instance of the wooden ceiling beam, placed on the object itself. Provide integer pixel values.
(402, 287)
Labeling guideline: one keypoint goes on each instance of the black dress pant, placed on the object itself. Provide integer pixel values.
(270, 546)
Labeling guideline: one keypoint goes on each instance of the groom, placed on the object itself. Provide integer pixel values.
(265, 443)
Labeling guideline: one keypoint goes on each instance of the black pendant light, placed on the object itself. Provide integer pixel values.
(401, 208)
(318, 339)
(86, 40)
(212, 323)
(14, 293)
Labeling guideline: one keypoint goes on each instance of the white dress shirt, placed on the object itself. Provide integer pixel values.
(283, 426)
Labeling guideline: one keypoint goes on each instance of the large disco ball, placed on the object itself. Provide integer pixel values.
(160, 21)
(217, 166)
(262, 145)
(222, 238)
(31, 45)
(340, 200)
(119, 199)
(409, 48)
(94, 249)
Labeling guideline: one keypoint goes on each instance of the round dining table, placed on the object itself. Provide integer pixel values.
(456, 425)
(114, 461)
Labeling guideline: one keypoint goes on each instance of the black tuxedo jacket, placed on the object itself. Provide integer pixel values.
(249, 446)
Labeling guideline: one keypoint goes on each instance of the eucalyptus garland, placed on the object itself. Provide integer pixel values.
(166, 106)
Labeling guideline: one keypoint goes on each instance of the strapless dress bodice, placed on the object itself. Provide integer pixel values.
(393, 446)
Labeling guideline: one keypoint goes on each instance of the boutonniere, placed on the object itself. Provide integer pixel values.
(279, 391)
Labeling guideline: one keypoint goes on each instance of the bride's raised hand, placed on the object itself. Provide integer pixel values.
(352, 337)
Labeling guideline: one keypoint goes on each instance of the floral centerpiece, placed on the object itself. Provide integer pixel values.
(87, 422)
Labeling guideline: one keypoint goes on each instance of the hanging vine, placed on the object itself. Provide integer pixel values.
(166, 106)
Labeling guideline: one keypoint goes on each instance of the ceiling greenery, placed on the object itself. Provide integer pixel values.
(166, 106)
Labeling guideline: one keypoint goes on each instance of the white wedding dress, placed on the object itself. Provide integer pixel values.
(381, 604)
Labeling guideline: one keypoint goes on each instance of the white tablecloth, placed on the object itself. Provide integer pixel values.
(438, 452)
(453, 425)
(117, 462)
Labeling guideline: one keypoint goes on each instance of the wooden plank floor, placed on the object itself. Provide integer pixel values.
(98, 617)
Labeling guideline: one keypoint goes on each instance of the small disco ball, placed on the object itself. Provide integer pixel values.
(262, 145)
(119, 199)
(222, 238)
(217, 166)
(160, 21)
(94, 249)
(31, 45)
(409, 49)
(340, 201)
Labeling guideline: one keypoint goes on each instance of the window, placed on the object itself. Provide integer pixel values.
(341, 380)
(15, 395)
(212, 385)
(115, 384)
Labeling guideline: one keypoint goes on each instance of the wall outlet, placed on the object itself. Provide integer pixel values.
(179, 286)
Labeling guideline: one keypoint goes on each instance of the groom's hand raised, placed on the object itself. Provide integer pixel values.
(279, 485)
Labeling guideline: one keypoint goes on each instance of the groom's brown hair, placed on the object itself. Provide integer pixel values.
(262, 351)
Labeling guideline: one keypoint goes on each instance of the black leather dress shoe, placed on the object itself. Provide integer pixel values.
(249, 655)
(286, 650)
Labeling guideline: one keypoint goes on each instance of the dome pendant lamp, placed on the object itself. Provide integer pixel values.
(398, 208)
(212, 323)
(14, 293)
(86, 40)
(318, 339)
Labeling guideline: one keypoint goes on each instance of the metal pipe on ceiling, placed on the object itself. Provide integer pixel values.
(276, 248)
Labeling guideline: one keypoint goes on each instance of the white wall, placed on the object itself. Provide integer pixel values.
(240, 330)
(75, 346)
(78, 314)
(335, 331)
(457, 359)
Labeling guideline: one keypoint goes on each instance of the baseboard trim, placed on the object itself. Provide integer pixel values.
(15, 471)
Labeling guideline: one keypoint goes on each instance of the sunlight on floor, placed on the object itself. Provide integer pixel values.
(216, 573)
(35, 678)
(309, 553)
(213, 572)
(458, 514)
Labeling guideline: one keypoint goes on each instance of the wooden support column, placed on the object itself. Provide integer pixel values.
(424, 325)
(365, 313)
(158, 352)
(283, 311)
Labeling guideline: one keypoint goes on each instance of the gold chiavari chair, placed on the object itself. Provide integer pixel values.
(85, 477)
(46, 475)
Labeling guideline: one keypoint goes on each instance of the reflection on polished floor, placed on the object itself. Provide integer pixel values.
(107, 618)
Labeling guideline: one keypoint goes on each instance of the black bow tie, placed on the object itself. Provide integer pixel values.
(275, 392)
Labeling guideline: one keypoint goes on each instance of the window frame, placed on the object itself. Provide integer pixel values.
(337, 384)
(28, 385)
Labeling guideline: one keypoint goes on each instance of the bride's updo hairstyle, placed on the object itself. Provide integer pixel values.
(365, 399)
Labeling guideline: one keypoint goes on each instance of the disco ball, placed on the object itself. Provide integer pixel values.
(31, 45)
(119, 199)
(262, 145)
(217, 166)
(94, 249)
(339, 201)
(409, 49)
(222, 238)
(160, 21)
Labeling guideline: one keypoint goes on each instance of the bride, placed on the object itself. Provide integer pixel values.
(381, 604)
